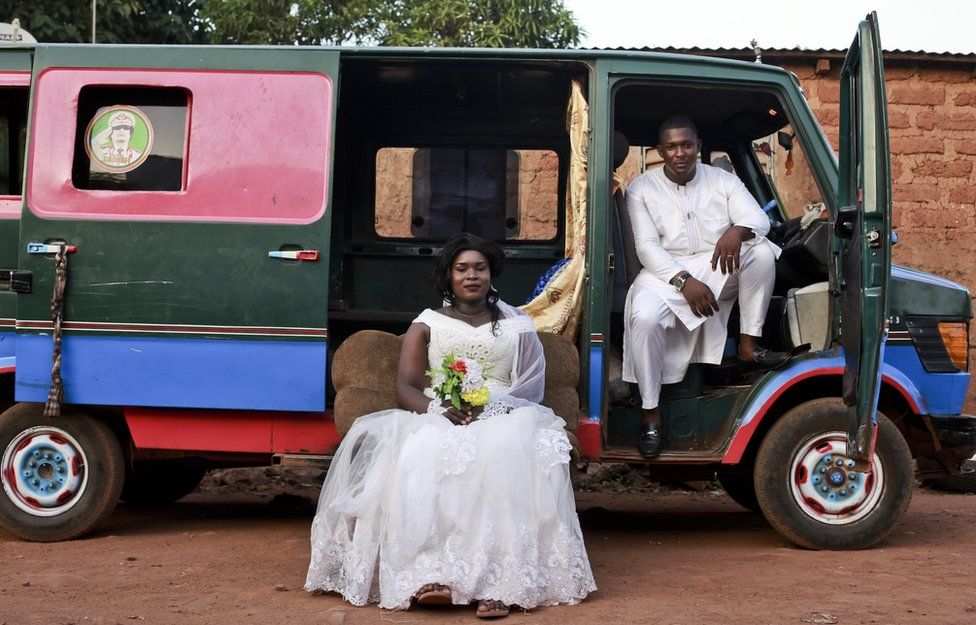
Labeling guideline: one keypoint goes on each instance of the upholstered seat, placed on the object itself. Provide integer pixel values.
(365, 366)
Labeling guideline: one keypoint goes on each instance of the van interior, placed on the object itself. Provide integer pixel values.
(428, 148)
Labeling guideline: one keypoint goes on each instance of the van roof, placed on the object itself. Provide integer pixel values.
(537, 54)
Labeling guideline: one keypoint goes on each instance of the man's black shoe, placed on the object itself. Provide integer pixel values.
(649, 444)
(768, 359)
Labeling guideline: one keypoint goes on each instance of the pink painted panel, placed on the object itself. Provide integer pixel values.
(257, 148)
(15, 79)
(10, 204)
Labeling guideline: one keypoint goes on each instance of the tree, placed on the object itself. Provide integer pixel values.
(290, 22)
(119, 21)
(462, 23)
(481, 23)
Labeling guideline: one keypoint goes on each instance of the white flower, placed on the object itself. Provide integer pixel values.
(474, 378)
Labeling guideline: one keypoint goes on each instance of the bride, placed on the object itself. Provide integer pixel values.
(431, 504)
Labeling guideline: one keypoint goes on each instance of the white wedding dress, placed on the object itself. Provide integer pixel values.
(486, 509)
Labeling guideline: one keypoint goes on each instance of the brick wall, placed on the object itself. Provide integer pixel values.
(932, 119)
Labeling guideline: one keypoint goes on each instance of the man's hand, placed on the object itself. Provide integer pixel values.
(699, 297)
(727, 249)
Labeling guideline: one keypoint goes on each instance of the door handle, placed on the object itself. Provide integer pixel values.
(309, 255)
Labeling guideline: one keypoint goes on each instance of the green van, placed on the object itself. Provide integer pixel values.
(188, 233)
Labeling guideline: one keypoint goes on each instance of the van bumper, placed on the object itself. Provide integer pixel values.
(957, 436)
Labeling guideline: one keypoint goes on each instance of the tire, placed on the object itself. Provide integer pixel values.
(854, 513)
(74, 481)
(741, 488)
(163, 482)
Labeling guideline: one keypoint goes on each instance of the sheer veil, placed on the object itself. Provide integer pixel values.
(528, 370)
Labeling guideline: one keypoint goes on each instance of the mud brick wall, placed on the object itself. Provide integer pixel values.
(932, 119)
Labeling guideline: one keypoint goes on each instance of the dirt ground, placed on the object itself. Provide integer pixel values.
(236, 552)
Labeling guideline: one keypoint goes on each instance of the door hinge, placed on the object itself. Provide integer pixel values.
(16, 280)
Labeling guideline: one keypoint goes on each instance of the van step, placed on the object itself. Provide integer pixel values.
(301, 460)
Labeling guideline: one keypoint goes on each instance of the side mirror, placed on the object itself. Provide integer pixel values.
(785, 140)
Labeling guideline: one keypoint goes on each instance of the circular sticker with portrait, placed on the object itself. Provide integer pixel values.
(119, 139)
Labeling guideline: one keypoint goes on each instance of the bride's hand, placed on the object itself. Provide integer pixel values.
(458, 417)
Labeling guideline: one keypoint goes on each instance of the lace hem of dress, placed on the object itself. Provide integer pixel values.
(526, 571)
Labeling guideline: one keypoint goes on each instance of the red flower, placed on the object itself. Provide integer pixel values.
(459, 366)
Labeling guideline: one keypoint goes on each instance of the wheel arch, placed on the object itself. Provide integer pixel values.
(6, 388)
(895, 401)
(113, 417)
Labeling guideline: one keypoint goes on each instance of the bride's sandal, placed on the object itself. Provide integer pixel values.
(489, 608)
(434, 594)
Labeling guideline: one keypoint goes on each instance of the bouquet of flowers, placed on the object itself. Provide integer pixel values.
(461, 381)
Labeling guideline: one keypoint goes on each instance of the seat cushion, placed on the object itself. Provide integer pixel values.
(364, 371)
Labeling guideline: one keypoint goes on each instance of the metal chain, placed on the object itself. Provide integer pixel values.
(56, 395)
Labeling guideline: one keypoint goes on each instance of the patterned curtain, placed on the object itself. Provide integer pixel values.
(558, 302)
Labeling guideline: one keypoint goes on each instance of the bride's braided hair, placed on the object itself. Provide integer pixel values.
(463, 242)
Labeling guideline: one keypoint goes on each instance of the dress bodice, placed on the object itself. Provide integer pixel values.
(453, 336)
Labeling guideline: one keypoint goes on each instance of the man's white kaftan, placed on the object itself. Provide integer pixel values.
(676, 228)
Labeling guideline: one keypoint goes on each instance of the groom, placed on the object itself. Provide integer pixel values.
(700, 237)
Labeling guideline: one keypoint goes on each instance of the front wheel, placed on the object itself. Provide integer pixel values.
(808, 489)
(61, 476)
(741, 487)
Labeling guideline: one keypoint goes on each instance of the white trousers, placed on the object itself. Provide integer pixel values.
(661, 334)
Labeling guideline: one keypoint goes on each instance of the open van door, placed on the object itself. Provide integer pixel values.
(863, 228)
(190, 187)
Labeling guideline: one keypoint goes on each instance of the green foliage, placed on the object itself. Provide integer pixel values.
(289, 22)
(461, 23)
(479, 23)
(119, 21)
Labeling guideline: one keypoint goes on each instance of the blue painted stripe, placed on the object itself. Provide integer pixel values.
(934, 393)
(7, 342)
(943, 393)
(596, 384)
(176, 372)
(782, 377)
(913, 275)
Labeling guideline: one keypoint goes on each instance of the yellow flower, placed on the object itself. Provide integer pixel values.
(477, 397)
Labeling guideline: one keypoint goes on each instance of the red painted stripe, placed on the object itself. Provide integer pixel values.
(744, 434)
(233, 431)
(589, 435)
(7, 369)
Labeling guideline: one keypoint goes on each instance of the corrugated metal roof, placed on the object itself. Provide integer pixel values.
(798, 52)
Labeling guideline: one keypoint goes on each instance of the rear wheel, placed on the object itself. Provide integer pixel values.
(808, 489)
(61, 475)
(161, 482)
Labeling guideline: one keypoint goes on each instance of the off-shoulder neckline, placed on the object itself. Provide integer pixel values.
(454, 319)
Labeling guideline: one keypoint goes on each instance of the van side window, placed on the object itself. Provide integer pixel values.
(436, 192)
(130, 139)
(13, 135)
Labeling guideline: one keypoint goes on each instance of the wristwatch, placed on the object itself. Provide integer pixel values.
(679, 280)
